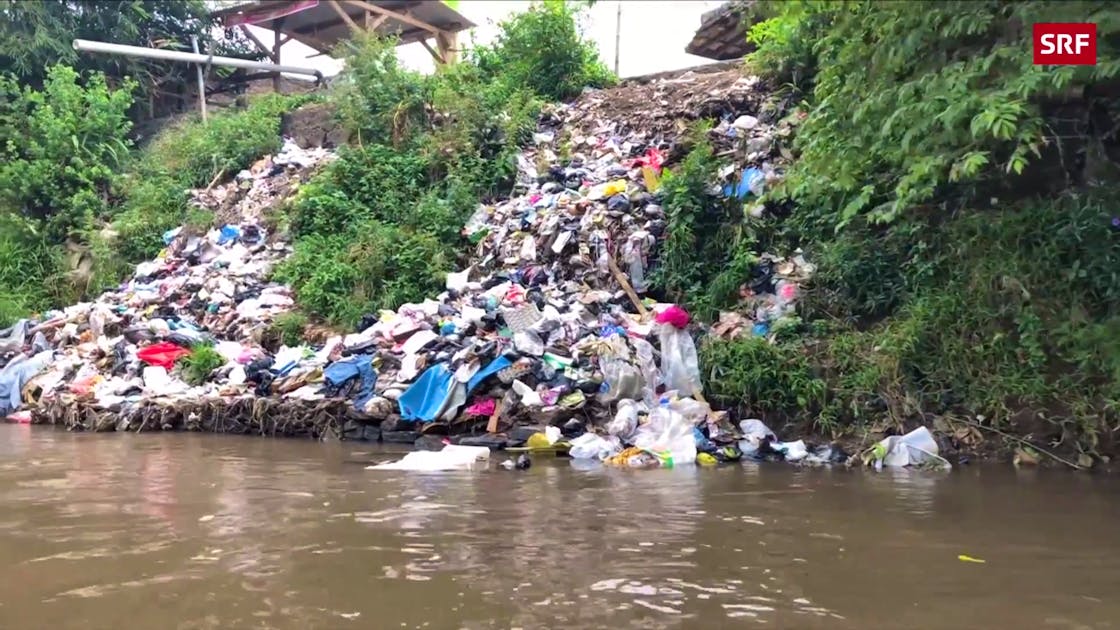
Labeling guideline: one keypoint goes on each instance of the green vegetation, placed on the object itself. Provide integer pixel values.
(955, 198)
(381, 225)
(288, 328)
(70, 182)
(541, 49)
(956, 201)
(190, 155)
(198, 365)
(35, 36)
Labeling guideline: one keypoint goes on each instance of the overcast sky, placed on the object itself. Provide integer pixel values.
(653, 34)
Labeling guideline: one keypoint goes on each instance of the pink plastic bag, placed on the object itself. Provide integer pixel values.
(483, 407)
(675, 316)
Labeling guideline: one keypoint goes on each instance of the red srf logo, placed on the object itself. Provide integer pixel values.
(1065, 43)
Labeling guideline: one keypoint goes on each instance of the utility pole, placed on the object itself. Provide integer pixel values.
(617, 35)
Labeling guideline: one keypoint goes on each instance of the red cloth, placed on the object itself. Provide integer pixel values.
(163, 354)
(674, 315)
(653, 159)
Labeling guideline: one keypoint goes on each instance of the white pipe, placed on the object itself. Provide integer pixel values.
(201, 80)
(174, 55)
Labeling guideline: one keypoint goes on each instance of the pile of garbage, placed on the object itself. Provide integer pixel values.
(547, 340)
(117, 363)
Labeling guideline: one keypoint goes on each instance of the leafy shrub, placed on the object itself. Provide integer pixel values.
(760, 376)
(62, 148)
(949, 106)
(197, 366)
(378, 98)
(194, 153)
(543, 50)
(27, 262)
(288, 327)
(380, 266)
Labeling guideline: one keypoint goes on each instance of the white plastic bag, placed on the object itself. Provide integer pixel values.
(591, 446)
(452, 456)
(755, 432)
(680, 367)
(668, 434)
(625, 420)
(650, 374)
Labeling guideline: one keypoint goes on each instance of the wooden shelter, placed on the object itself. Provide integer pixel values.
(322, 24)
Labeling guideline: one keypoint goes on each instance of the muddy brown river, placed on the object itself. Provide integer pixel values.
(200, 531)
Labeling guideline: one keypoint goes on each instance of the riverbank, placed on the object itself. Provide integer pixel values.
(636, 254)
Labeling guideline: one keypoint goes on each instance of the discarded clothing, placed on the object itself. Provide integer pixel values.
(359, 366)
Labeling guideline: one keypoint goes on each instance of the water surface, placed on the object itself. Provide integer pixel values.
(202, 531)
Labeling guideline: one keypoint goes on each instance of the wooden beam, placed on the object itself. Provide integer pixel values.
(400, 17)
(287, 38)
(260, 45)
(433, 51)
(372, 24)
(342, 14)
(311, 41)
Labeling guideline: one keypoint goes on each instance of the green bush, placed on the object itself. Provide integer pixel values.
(62, 148)
(946, 108)
(288, 327)
(543, 50)
(28, 265)
(380, 266)
(760, 376)
(379, 100)
(197, 366)
(965, 264)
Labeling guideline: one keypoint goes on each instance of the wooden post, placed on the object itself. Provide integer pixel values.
(446, 43)
(277, 43)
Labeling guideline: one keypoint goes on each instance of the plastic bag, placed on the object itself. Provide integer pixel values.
(668, 435)
(163, 355)
(528, 342)
(591, 446)
(625, 420)
(620, 380)
(650, 374)
(680, 367)
(755, 432)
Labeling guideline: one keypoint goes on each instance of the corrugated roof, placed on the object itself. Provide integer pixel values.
(319, 25)
(723, 33)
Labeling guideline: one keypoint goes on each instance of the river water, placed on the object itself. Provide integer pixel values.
(204, 531)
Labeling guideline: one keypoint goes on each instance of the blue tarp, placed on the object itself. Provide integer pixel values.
(743, 188)
(360, 365)
(15, 375)
(491, 368)
(424, 400)
(427, 398)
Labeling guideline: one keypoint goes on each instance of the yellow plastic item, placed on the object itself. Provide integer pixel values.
(706, 459)
(538, 440)
(651, 178)
(964, 558)
(614, 188)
